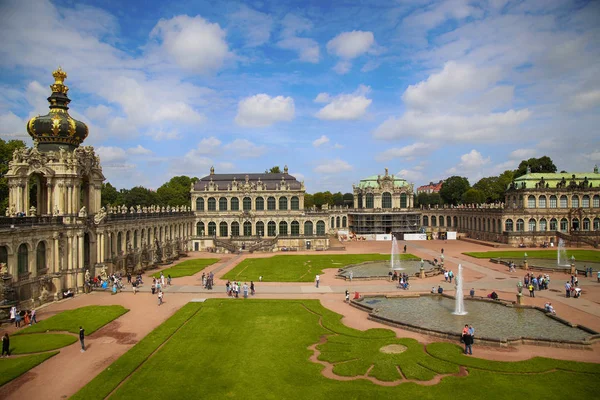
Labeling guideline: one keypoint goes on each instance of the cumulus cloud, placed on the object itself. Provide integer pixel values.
(307, 49)
(333, 167)
(584, 100)
(343, 67)
(139, 150)
(409, 152)
(522, 154)
(263, 110)
(349, 45)
(255, 25)
(321, 141)
(208, 145)
(12, 126)
(344, 106)
(193, 42)
(245, 148)
(411, 175)
(470, 163)
(110, 154)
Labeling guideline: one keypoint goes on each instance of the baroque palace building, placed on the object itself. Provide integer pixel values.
(55, 228)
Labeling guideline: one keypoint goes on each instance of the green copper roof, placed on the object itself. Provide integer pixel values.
(552, 179)
(371, 181)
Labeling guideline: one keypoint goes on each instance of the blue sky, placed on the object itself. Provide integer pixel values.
(335, 90)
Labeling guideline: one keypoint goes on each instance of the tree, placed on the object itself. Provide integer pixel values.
(273, 170)
(453, 189)
(109, 195)
(309, 201)
(473, 196)
(139, 195)
(537, 165)
(319, 199)
(338, 199)
(6, 153)
(431, 199)
(176, 192)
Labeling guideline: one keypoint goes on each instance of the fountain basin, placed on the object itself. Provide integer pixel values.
(381, 269)
(495, 323)
(550, 264)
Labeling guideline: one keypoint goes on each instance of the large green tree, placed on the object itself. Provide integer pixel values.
(176, 192)
(273, 170)
(309, 201)
(453, 188)
(109, 194)
(431, 199)
(542, 164)
(473, 196)
(338, 199)
(138, 195)
(6, 152)
(349, 199)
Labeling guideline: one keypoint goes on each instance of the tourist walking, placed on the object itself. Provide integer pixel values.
(169, 279)
(317, 278)
(33, 317)
(18, 320)
(467, 340)
(531, 290)
(160, 297)
(5, 345)
(568, 289)
(81, 338)
(347, 296)
(252, 288)
(245, 289)
(450, 276)
(446, 276)
(13, 310)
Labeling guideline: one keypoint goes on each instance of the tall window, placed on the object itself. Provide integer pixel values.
(532, 225)
(563, 201)
(575, 201)
(295, 203)
(212, 204)
(23, 259)
(360, 199)
(283, 203)
(223, 229)
(337, 222)
(260, 204)
(199, 204)
(271, 204)
(332, 224)
(320, 228)
(531, 201)
(308, 228)
(585, 201)
(403, 202)
(283, 231)
(425, 220)
(508, 225)
(543, 225)
(272, 228)
(235, 228)
(247, 228)
(222, 204)
(441, 220)
(433, 220)
(40, 260)
(344, 222)
(586, 224)
(386, 200)
(552, 201)
(597, 224)
(235, 204)
(295, 228)
(542, 202)
(520, 225)
(260, 228)
(448, 221)
(212, 229)
(3, 255)
(199, 231)
(564, 225)
(553, 224)
(247, 204)
(596, 201)
(369, 201)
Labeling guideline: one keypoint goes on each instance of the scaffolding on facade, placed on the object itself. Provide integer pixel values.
(381, 222)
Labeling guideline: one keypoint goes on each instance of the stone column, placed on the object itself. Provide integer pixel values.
(102, 248)
(70, 251)
(355, 201)
(56, 238)
(80, 266)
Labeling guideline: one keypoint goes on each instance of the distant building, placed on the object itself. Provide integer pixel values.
(431, 188)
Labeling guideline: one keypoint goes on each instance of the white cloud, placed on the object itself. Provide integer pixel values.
(409, 152)
(208, 145)
(12, 126)
(470, 163)
(522, 154)
(299, 176)
(338, 146)
(321, 141)
(263, 110)
(593, 156)
(345, 106)
(333, 167)
(411, 175)
(342, 67)
(584, 100)
(349, 45)
(110, 154)
(245, 148)
(255, 25)
(139, 150)
(307, 49)
(322, 98)
(193, 42)
(161, 134)
(99, 112)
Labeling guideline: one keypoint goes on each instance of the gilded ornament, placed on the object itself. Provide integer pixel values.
(72, 126)
(30, 126)
(55, 125)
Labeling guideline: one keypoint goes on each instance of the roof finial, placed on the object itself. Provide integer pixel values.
(528, 171)
(212, 170)
(285, 169)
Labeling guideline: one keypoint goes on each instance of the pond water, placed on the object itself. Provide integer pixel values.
(381, 269)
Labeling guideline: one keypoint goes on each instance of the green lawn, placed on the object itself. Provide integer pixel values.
(580, 255)
(292, 268)
(258, 349)
(36, 343)
(91, 318)
(187, 268)
(12, 367)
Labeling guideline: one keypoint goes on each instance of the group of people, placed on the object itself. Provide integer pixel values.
(534, 283)
(208, 280)
(572, 289)
(402, 280)
(549, 308)
(448, 275)
(234, 288)
(27, 317)
(467, 336)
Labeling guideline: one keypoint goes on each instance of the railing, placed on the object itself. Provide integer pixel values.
(130, 216)
(8, 222)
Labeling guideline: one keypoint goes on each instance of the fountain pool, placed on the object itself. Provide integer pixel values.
(379, 269)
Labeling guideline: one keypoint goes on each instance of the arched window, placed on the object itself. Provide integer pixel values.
(563, 201)
(455, 222)
(596, 201)
(212, 229)
(386, 200)
(222, 204)
(320, 228)
(344, 222)
(553, 224)
(575, 201)
(586, 224)
(370, 201)
(508, 225)
(308, 228)
(295, 228)
(531, 201)
(553, 201)
(235, 204)
(543, 225)
(260, 228)
(337, 222)
(120, 242)
(212, 204)
(542, 202)
(403, 200)
(597, 224)
(585, 201)
(425, 220)
(532, 225)
(272, 228)
(360, 199)
(247, 228)
(135, 239)
(448, 221)
(271, 204)
(199, 204)
(441, 220)
(283, 228)
(247, 203)
(564, 224)
(295, 203)
(433, 220)
(3, 255)
(283, 203)
(235, 228)
(223, 229)
(260, 204)
(23, 259)
(575, 224)
(40, 259)
(520, 225)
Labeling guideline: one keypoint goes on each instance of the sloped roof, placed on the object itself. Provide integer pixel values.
(270, 180)
(552, 179)
(371, 181)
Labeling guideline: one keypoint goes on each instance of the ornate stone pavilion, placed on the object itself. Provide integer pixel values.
(538, 207)
(256, 212)
(55, 228)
